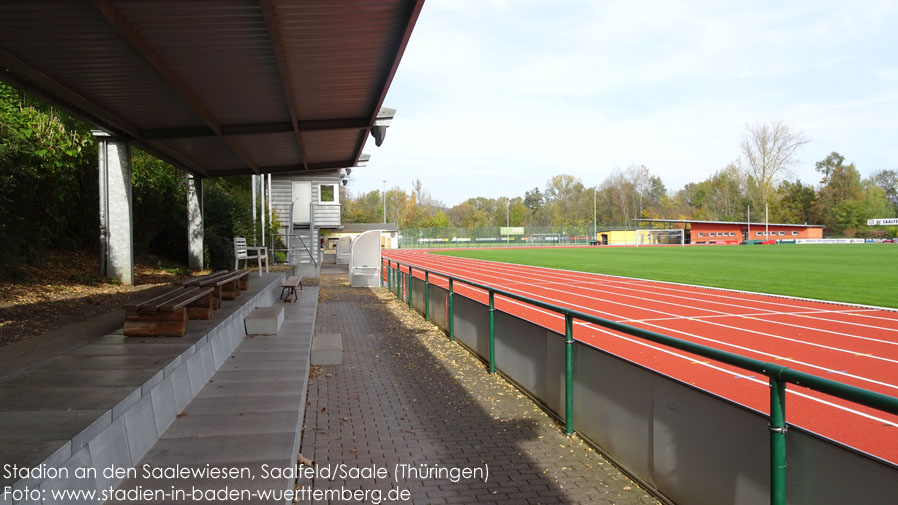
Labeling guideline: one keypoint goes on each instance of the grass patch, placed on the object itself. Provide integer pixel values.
(855, 273)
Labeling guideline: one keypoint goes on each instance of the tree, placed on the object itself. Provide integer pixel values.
(888, 181)
(770, 150)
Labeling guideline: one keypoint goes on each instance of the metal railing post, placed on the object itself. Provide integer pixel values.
(382, 270)
(390, 276)
(777, 442)
(492, 332)
(451, 314)
(426, 295)
(568, 374)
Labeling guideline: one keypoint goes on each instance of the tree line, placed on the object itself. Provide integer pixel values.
(760, 178)
(49, 196)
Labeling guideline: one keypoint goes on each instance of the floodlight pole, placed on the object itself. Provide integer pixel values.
(385, 201)
(595, 230)
(507, 225)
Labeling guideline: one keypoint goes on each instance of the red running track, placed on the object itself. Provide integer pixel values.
(849, 344)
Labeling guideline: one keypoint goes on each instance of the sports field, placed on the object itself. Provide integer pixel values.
(852, 273)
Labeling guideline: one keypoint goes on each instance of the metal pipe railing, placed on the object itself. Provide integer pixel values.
(778, 375)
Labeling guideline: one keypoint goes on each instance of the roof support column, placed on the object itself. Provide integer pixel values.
(195, 222)
(116, 221)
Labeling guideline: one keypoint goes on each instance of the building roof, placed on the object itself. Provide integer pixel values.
(362, 227)
(217, 88)
(742, 223)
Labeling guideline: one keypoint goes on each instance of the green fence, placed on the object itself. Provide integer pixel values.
(397, 278)
(514, 236)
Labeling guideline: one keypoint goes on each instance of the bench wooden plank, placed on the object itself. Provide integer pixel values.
(288, 286)
(168, 313)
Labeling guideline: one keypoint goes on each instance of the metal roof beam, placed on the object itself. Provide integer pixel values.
(414, 10)
(277, 48)
(137, 42)
(354, 123)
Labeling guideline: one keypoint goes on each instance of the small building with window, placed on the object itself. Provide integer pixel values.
(727, 232)
(306, 204)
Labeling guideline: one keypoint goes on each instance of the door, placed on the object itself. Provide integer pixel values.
(302, 202)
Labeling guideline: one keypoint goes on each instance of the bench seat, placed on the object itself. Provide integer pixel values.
(288, 286)
(226, 284)
(167, 314)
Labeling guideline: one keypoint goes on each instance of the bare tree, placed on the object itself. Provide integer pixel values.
(770, 151)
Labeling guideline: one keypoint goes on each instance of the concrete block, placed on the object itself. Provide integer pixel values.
(151, 383)
(180, 381)
(205, 353)
(264, 321)
(327, 349)
(126, 403)
(195, 373)
(81, 459)
(164, 407)
(140, 426)
(89, 433)
(108, 449)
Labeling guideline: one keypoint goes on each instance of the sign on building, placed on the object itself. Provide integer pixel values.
(883, 222)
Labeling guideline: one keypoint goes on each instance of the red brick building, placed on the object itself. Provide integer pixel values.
(717, 232)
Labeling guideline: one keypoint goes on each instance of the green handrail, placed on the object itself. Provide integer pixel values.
(779, 375)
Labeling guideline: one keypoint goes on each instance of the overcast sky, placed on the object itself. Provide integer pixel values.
(495, 97)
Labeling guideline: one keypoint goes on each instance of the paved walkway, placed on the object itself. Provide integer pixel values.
(405, 395)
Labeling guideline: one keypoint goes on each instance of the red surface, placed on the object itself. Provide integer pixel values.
(853, 345)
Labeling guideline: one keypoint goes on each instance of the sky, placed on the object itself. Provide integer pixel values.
(494, 97)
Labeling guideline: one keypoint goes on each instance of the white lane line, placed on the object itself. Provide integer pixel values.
(692, 360)
(696, 317)
(679, 288)
(732, 345)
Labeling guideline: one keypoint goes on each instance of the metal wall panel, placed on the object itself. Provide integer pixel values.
(824, 473)
(707, 450)
(439, 307)
(472, 324)
(613, 406)
(521, 353)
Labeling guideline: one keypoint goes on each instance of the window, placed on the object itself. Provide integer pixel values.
(794, 233)
(758, 233)
(732, 234)
(701, 234)
(782, 233)
(328, 194)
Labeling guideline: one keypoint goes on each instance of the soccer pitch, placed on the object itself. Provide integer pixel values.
(852, 273)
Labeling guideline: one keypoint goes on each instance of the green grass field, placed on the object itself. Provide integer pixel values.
(854, 273)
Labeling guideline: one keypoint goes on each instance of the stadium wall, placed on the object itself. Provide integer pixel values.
(687, 445)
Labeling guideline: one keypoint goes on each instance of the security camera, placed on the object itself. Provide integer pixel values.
(345, 181)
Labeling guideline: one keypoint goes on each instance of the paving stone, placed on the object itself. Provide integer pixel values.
(406, 395)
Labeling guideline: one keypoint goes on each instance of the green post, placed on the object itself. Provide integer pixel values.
(568, 374)
(411, 280)
(777, 442)
(492, 332)
(451, 314)
(390, 276)
(426, 295)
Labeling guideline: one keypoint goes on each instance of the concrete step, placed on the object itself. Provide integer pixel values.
(327, 349)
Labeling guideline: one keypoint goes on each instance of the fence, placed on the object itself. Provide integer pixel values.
(514, 236)
(634, 413)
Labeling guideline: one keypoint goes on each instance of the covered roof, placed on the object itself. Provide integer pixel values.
(361, 227)
(222, 87)
(740, 223)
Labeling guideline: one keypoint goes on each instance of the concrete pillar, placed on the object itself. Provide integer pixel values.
(116, 221)
(195, 222)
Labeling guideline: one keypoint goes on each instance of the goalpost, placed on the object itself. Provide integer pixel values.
(661, 237)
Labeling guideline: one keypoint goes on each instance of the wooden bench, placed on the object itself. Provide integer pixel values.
(167, 314)
(289, 286)
(226, 285)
